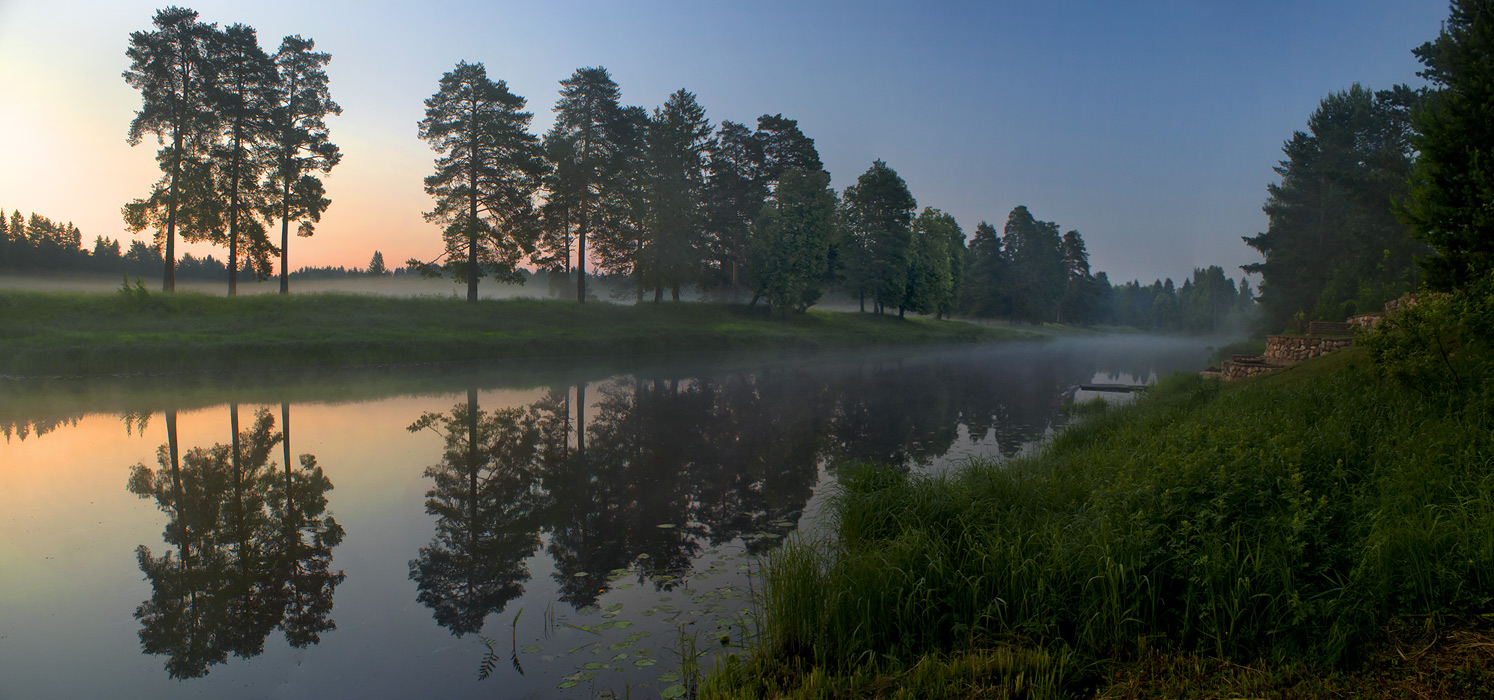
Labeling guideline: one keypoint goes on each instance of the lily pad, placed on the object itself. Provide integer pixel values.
(571, 684)
(594, 665)
(620, 657)
(673, 691)
(614, 607)
(669, 677)
(644, 662)
(532, 648)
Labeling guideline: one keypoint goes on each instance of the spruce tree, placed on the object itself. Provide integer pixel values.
(1452, 200)
(679, 139)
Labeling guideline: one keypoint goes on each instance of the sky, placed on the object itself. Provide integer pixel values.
(1151, 127)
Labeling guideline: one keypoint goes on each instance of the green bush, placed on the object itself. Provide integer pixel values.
(1442, 346)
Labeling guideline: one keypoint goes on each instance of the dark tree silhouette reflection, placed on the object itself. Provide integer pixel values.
(636, 476)
(253, 549)
(488, 508)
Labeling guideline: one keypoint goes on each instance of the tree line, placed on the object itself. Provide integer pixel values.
(669, 201)
(1387, 191)
(662, 197)
(38, 245)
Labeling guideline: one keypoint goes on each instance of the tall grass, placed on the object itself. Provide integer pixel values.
(1285, 518)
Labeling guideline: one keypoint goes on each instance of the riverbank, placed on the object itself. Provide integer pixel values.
(1324, 531)
(58, 333)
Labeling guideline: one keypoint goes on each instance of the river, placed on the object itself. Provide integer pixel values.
(529, 530)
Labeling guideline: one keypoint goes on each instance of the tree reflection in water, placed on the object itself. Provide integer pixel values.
(488, 506)
(638, 481)
(253, 549)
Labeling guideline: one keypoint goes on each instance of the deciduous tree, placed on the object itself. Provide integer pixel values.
(792, 239)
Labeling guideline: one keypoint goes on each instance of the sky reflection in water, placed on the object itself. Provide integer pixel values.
(559, 538)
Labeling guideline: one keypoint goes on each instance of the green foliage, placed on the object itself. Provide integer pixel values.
(1334, 247)
(1441, 347)
(792, 239)
(878, 211)
(1291, 516)
(1452, 199)
(930, 284)
(486, 177)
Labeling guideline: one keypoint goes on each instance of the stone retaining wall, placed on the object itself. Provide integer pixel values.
(1291, 349)
(1234, 370)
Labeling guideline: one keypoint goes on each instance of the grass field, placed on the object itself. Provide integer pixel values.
(63, 333)
(1323, 531)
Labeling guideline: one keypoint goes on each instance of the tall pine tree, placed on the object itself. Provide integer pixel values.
(488, 171)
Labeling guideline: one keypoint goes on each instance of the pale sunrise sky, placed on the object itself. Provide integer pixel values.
(1151, 127)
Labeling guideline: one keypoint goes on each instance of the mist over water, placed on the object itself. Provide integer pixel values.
(558, 529)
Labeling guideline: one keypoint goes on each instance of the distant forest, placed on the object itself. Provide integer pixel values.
(39, 246)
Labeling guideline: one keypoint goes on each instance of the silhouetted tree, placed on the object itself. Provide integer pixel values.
(299, 142)
(679, 139)
(170, 67)
(587, 121)
(486, 177)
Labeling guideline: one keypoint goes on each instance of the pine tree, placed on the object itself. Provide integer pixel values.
(589, 117)
(376, 265)
(170, 68)
(488, 171)
(1334, 247)
(240, 96)
(735, 190)
(299, 142)
(1037, 265)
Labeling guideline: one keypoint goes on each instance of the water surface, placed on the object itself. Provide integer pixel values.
(545, 531)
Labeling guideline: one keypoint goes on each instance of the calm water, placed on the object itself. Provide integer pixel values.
(483, 532)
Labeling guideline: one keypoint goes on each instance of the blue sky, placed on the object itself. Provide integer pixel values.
(1151, 127)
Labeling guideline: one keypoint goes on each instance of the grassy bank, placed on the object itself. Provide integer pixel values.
(1317, 531)
(75, 333)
